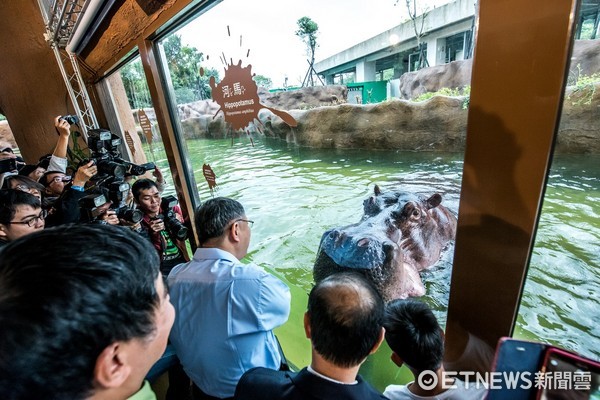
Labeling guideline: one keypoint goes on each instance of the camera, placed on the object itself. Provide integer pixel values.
(104, 147)
(137, 170)
(7, 165)
(90, 207)
(71, 119)
(172, 225)
(117, 194)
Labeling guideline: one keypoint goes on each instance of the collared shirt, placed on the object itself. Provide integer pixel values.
(145, 393)
(225, 314)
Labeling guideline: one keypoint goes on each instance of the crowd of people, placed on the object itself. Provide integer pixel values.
(87, 309)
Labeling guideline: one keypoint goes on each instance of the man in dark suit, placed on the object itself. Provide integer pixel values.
(344, 324)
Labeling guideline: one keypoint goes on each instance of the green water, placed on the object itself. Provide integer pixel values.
(295, 194)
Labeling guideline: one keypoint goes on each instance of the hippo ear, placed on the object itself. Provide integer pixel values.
(434, 201)
(377, 190)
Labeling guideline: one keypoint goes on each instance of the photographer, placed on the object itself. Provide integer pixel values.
(171, 249)
(65, 208)
(57, 161)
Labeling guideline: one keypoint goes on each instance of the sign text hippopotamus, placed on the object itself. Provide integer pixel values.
(400, 234)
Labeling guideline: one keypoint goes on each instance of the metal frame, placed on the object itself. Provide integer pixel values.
(61, 18)
(517, 90)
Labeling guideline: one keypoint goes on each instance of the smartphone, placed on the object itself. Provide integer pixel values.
(514, 368)
(569, 376)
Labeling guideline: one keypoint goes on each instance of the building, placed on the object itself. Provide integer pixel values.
(447, 33)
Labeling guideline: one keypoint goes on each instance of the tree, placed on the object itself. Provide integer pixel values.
(418, 23)
(184, 64)
(263, 81)
(136, 88)
(307, 31)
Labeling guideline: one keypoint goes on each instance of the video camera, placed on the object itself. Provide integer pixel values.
(112, 168)
(172, 225)
(104, 146)
(91, 206)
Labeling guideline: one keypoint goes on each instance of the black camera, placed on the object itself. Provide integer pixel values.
(137, 170)
(90, 207)
(172, 225)
(7, 165)
(71, 119)
(104, 147)
(117, 194)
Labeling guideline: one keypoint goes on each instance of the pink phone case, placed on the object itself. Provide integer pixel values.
(583, 376)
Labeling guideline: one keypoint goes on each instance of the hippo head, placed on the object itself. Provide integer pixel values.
(373, 247)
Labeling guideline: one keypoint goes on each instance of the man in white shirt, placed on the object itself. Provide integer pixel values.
(226, 310)
(417, 340)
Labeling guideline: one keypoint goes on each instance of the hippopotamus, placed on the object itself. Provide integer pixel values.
(399, 235)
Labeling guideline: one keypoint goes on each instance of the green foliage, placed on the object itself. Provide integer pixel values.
(184, 64)
(450, 92)
(2, 117)
(263, 81)
(584, 87)
(307, 31)
(136, 88)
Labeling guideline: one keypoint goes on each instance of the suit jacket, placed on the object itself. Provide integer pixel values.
(267, 384)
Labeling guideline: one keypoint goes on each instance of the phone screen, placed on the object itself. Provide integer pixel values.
(569, 376)
(519, 359)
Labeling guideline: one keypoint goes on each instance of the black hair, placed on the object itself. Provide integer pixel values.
(44, 178)
(10, 199)
(62, 303)
(212, 217)
(22, 180)
(345, 314)
(142, 184)
(414, 334)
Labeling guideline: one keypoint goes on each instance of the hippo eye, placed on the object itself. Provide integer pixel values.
(415, 213)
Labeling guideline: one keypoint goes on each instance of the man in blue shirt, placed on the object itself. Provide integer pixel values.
(226, 310)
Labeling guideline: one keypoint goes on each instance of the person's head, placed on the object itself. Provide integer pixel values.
(20, 214)
(24, 184)
(147, 196)
(54, 182)
(414, 335)
(223, 219)
(80, 321)
(344, 319)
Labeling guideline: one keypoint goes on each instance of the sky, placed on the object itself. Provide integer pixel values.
(267, 29)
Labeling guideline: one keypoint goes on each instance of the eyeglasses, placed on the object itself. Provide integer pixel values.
(249, 222)
(33, 220)
(61, 179)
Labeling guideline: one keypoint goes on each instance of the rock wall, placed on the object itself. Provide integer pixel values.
(438, 124)
(457, 74)
(435, 125)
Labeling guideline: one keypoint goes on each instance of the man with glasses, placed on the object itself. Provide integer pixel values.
(226, 310)
(20, 214)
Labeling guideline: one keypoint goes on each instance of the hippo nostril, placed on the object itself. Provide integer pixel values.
(363, 242)
(388, 248)
(333, 234)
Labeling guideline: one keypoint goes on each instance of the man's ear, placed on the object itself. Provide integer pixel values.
(307, 325)
(234, 232)
(397, 360)
(379, 340)
(112, 370)
(3, 231)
